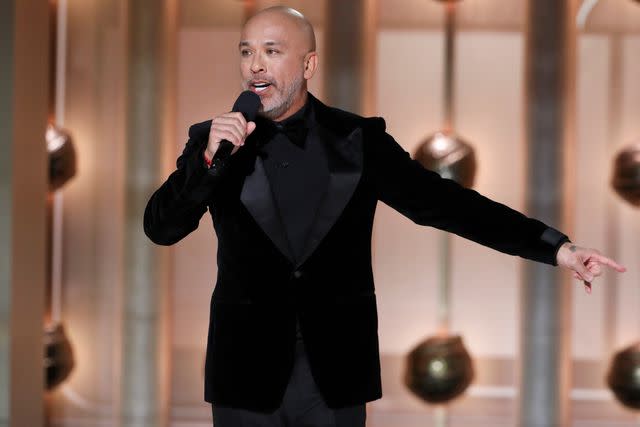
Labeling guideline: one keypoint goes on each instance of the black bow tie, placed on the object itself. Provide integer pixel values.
(296, 130)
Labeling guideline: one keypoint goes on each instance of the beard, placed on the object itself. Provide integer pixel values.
(282, 100)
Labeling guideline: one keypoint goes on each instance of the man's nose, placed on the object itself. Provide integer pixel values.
(257, 66)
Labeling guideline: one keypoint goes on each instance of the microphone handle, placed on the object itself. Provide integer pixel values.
(224, 150)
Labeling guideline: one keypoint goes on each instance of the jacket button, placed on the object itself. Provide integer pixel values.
(297, 274)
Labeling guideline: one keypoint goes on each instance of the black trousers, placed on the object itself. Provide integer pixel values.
(302, 406)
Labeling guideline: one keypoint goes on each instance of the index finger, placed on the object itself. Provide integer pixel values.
(609, 262)
(240, 116)
(235, 115)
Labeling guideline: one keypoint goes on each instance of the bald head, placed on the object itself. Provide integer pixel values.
(294, 20)
(277, 57)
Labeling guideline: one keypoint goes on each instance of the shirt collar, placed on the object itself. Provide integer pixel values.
(304, 113)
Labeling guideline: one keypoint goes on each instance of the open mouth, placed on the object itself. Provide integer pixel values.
(260, 87)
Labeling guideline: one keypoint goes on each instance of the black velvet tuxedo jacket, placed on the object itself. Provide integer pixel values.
(260, 290)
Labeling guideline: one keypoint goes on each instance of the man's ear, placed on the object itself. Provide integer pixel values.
(310, 64)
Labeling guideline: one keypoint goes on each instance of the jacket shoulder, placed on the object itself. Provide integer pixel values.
(344, 122)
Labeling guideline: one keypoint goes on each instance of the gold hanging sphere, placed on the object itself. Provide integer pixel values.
(59, 361)
(626, 174)
(439, 369)
(623, 377)
(62, 157)
(450, 156)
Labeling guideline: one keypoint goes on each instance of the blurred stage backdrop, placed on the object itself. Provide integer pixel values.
(402, 74)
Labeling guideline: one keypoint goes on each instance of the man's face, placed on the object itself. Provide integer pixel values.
(273, 64)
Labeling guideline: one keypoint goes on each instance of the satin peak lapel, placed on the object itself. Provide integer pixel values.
(344, 159)
(258, 198)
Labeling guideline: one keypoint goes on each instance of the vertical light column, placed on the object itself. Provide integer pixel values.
(151, 42)
(24, 79)
(349, 62)
(549, 127)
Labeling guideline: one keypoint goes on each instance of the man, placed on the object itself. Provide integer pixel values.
(293, 328)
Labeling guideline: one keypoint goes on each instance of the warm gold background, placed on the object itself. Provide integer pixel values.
(408, 89)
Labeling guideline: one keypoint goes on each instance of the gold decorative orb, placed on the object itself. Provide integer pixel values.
(450, 156)
(626, 174)
(58, 362)
(439, 369)
(623, 377)
(62, 157)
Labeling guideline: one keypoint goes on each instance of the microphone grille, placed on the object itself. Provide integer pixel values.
(248, 103)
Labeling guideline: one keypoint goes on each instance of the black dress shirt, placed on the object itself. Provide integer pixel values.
(298, 175)
(296, 166)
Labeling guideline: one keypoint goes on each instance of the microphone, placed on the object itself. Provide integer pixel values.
(248, 103)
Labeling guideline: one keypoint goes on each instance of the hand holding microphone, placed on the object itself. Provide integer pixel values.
(230, 130)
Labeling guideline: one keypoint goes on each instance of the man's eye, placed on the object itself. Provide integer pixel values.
(245, 52)
(272, 51)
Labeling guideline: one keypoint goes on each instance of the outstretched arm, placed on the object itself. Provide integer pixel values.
(586, 264)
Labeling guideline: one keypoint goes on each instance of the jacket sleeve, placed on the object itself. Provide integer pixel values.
(174, 210)
(427, 199)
